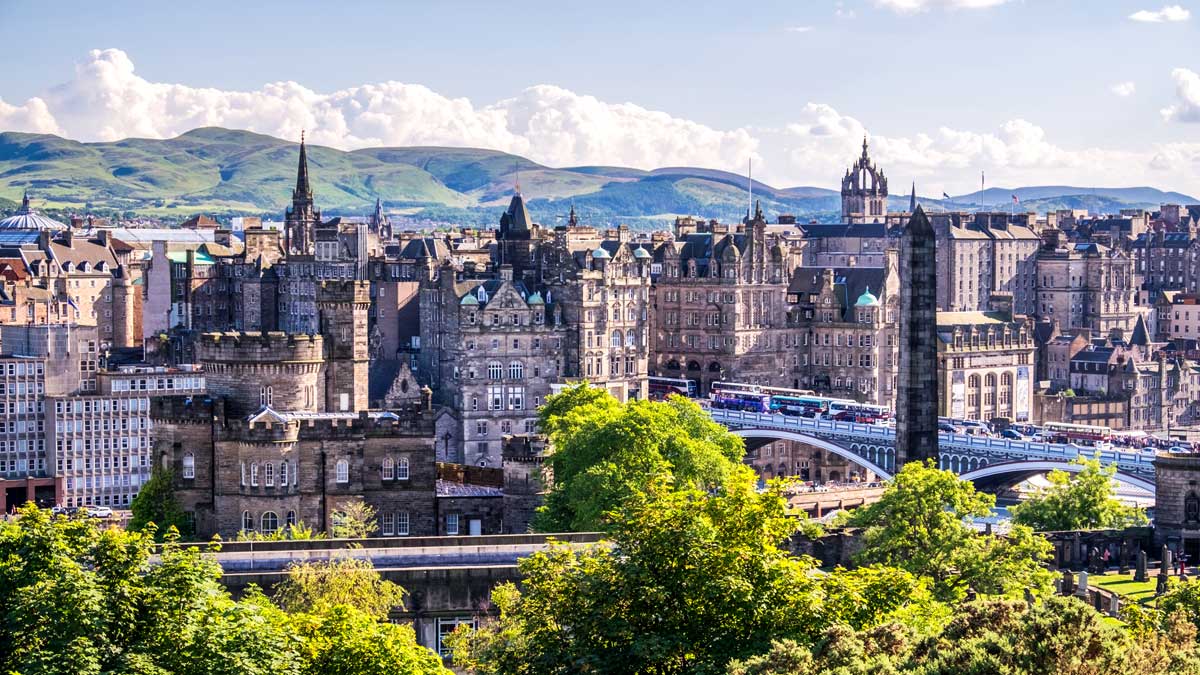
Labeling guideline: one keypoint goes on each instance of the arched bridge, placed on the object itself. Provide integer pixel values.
(978, 458)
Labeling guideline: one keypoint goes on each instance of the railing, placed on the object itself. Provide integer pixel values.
(1130, 461)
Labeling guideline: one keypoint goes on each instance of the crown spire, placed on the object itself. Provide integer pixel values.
(864, 147)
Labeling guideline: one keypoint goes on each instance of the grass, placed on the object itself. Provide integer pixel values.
(1124, 586)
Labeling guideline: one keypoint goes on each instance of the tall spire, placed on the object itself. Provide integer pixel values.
(912, 201)
(25, 203)
(864, 155)
(303, 189)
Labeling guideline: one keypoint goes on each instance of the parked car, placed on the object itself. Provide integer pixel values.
(99, 512)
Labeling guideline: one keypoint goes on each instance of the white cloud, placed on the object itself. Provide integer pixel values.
(1169, 13)
(107, 100)
(1123, 89)
(1187, 89)
(911, 6)
(799, 29)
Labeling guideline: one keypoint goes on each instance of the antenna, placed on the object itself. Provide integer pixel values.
(750, 184)
(517, 169)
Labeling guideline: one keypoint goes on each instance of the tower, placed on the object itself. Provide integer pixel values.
(917, 395)
(302, 217)
(380, 224)
(342, 306)
(517, 237)
(864, 191)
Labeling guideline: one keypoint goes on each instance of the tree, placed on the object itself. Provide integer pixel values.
(317, 587)
(354, 520)
(155, 505)
(921, 524)
(345, 641)
(605, 452)
(1083, 501)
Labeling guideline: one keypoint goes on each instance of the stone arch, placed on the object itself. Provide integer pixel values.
(845, 453)
(1042, 466)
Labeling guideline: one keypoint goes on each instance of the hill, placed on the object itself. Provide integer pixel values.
(229, 172)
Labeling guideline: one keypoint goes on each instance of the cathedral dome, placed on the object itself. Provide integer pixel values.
(600, 254)
(867, 299)
(640, 252)
(25, 219)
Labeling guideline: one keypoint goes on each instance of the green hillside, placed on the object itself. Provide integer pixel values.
(225, 172)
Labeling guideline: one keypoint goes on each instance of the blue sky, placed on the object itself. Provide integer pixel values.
(1022, 88)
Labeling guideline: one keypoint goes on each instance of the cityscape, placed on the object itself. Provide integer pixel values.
(295, 384)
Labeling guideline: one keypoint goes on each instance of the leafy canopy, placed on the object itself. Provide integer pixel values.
(922, 524)
(156, 507)
(1084, 501)
(606, 452)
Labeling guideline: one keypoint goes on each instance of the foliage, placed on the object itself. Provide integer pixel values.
(866, 597)
(1182, 598)
(81, 601)
(606, 452)
(354, 520)
(920, 524)
(1084, 501)
(688, 581)
(155, 507)
(317, 587)
(295, 532)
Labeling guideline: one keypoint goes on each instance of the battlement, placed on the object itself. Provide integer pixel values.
(330, 426)
(185, 409)
(234, 346)
(344, 291)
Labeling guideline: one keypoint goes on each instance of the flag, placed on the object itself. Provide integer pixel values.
(1016, 200)
(71, 302)
(946, 196)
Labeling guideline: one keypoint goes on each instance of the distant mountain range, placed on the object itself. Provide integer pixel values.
(228, 172)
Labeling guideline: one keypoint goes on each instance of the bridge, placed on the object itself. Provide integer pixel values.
(975, 458)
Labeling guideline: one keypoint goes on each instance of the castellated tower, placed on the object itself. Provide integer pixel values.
(343, 306)
(253, 370)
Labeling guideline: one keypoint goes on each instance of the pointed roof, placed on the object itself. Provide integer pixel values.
(24, 204)
(918, 224)
(912, 200)
(516, 218)
(1141, 336)
(303, 188)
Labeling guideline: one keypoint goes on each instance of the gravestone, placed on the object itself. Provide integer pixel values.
(1068, 582)
(1140, 573)
(1082, 589)
(1165, 560)
(1123, 559)
(1161, 586)
(1114, 605)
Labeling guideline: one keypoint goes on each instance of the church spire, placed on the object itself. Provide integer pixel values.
(912, 201)
(303, 189)
(865, 156)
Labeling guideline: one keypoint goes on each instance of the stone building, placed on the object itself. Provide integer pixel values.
(864, 191)
(1177, 502)
(1085, 285)
(980, 254)
(917, 387)
(719, 304)
(986, 364)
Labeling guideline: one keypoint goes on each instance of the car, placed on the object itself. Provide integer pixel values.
(1150, 449)
(1012, 435)
(1179, 448)
(947, 428)
(99, 512)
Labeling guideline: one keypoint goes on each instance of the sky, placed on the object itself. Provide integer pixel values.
(1027, 92)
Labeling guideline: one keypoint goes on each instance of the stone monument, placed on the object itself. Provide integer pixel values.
(917, 396)
(1140, 573)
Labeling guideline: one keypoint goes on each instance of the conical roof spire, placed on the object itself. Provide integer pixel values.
(912, 201)
(303, 189)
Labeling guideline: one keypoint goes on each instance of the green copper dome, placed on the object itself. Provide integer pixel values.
(866, 299)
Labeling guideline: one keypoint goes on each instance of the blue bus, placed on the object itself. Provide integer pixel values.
(747, 401)
(800, 406)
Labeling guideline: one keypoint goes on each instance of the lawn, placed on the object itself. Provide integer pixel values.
(1126, 587)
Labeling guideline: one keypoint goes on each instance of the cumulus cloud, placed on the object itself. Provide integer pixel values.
(912, 6)
(1187, 90)
(107, 100)
(1123, 89)
(799, 29)
(1168, 14)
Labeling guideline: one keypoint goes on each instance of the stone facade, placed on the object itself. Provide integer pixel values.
(917, 398)
(1177, 502)
(985, 365)
(1085, 285)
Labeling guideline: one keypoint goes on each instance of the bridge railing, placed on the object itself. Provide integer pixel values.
(1131, 461)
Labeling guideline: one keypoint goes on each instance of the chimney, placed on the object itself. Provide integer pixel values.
(506, 272)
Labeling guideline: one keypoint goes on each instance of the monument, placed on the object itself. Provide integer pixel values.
(917, 395)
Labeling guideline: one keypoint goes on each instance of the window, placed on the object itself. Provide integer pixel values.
(254, 474)
(451, 523)
(342, 471)
(444, 628)
(189, 466)
(516, 370)
(269, 521)
(265, 396)
(402, 523)
(388, 470)
(291, 516)
(402, 469)
(495, 370)
(616, 338)
(243, 474)
(283, 474)
(247, 521)
(387, 524)
(269, 474)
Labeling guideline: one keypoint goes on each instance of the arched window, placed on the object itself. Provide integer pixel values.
(342, 471)
(283, 474)
(254, 474)
(693, 365)
(269, 474)
(291, 518)
(402, 469)
(989, 394)
(973, 392)
(630, 338)
(495, 370)
(516, 370)
(189, 465)
(247, 521)
(388, 470)
(270, 522)
(672, 365)
(616, 338)
(714, 367)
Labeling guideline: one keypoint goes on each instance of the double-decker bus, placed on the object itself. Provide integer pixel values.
(748, 401)
(722, 385)
(661, 387)
(862, 413)
(1083, 435)
(800, 406)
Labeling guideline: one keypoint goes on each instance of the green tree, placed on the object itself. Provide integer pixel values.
(155, 505)
(871, 596)
(345, 641)
(605, 452)
(355, 519)
(922, 524)
(1082, 501)
(317, 587)
(689, 581)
